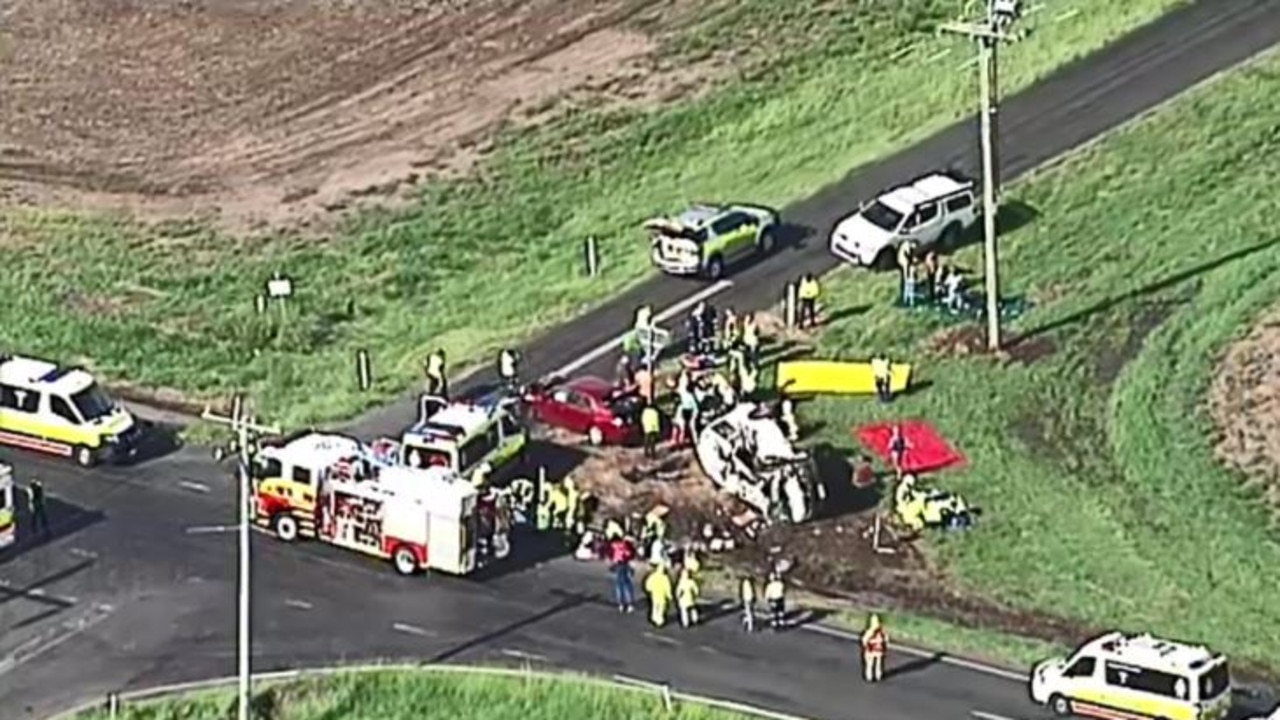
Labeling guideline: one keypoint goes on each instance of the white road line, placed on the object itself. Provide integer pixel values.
(299, 604)
(637, 682)
(522, 655)
(194, 486)
(412, 630)
(37, 593)
(988, 716)
(84, 553)
(663, 316)
(35, 649)
(918, 652)
(210, 529)
(664, 640)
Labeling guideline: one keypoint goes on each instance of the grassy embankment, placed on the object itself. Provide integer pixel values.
(1155, 248)
(402, 695)
(494, 257)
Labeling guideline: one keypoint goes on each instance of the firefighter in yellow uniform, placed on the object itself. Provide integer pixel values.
(687, 592)
(559, 507)
(655, 524)
(807, 294)
(437, 384)
(751, 340)
(691, 562)
(874, 644)
(658, 587)
(543, 512)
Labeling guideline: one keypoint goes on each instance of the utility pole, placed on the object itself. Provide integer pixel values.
(988, 33)
(245, 430)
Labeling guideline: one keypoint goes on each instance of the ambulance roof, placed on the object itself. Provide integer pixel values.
(454, 421)
(1151, 652)
(315, 450)
(26, 372)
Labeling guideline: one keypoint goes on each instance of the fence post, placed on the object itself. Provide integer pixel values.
(789, 305)
(666, 697)
(113, 705)
(364, 374)
(591, 252)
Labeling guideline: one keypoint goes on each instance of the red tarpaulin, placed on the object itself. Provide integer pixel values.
(926, 450)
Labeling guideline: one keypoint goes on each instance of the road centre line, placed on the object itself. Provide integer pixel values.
(298, 604)
(661, 639)
(194, 486)
(952, 660)
(606, 347)
(988, 716)
(210, 529)
(412, 630)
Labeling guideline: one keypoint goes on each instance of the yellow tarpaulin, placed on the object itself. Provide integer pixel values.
(817, 377)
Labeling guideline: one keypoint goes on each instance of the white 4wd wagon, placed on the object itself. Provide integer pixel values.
(933, 211)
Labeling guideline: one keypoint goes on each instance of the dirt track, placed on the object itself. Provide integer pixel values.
(267, 111)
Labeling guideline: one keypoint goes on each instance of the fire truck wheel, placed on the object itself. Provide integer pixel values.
(286, 528)
(404, 560)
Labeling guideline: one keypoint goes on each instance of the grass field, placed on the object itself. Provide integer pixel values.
(1103, 501)
(493, 257)
(403, 695)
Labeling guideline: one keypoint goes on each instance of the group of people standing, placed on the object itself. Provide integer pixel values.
(929, 277)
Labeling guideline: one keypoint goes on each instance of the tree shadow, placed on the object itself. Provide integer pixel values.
(844, 313)
(1012, 215)
(1155, 287)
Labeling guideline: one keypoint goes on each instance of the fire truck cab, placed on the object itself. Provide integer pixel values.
(334, 492)
(463, 436)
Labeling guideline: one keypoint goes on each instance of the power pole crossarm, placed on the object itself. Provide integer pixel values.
(243, 428)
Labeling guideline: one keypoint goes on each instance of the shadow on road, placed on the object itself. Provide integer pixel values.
(569, 602)
(65, 519)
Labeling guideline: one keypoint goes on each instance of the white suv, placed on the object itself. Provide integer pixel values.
(933, 211)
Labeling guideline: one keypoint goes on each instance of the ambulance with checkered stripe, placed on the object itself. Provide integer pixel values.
(62, 410)
(1127, 677)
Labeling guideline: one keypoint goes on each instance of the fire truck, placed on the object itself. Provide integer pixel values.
(329, 488)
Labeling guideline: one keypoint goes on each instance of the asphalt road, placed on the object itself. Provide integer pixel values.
(137, 586)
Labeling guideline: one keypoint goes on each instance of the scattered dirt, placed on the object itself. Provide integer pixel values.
(1110, 361)
(1244, 401)
(960, 341)
(1028, 350)
(256, 112)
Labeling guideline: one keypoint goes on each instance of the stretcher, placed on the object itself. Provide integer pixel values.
(834, 377)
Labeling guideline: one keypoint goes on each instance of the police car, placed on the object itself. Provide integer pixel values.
(62, 411)
(464, 436)
(706, 239)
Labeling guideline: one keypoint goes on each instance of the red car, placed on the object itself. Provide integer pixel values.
(590, 406)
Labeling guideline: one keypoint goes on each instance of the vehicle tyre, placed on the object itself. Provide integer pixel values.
(1060, 706)
(715, 268)
(286, 527)
(950, 237)
(767, 241)
(85, 457)
(595, 436)
(404, 560)
(887, 259)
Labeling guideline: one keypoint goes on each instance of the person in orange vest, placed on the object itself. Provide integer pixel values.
(874, 644)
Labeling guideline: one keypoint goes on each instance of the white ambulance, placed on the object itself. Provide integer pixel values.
(463, 436)
(1123, 677)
